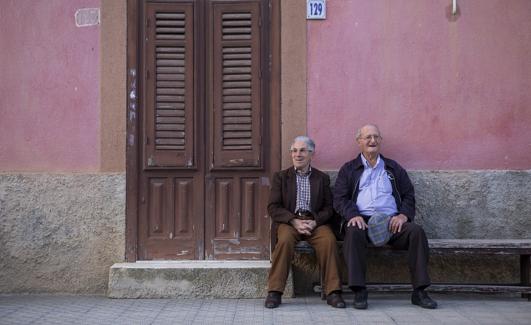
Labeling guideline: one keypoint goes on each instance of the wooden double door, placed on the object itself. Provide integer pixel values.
(204, 129)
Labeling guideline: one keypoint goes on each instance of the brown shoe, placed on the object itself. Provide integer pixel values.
(273, 299)
(335, 300)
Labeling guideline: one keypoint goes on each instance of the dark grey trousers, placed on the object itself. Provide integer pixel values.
(412, 238)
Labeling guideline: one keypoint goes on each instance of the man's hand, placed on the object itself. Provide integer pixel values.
(303, 227)
(396, 222)
(357, 221)
(311, 223)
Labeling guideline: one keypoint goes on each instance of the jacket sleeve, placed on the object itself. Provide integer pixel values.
(407, 194)
(323, 215)
(343, 195)
(275, 207)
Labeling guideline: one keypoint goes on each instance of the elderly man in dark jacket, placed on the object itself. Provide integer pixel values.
(300, 205)
(373, 185)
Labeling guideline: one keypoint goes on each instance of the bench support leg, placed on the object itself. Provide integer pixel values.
(323, 294)
(524, 274)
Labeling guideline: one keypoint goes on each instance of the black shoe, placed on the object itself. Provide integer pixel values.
(273, 299)
(421, 298)
(360, 299)
(335, 300)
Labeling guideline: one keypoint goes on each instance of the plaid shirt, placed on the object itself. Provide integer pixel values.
(303, 190)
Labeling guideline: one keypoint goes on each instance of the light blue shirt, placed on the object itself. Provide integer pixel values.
(375, 190)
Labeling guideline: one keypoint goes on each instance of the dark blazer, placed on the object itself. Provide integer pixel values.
(283, 196)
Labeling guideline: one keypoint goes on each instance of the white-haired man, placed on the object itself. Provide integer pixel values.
(300, 205)
(372, 186)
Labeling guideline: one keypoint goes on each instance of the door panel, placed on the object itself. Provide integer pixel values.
(250, 204)
(168, 228)
(240, 228)
(169, 77)
(236, 198)
(204, 155)
(158, 198)
(236, 75)
(171, 211)
(184, 212)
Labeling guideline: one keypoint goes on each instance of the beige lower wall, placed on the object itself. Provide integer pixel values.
(60, 233)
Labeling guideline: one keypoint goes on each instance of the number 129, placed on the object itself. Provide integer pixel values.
(316, 8)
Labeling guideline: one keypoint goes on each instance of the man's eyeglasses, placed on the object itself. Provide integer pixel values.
(368, 138)
(302, 150)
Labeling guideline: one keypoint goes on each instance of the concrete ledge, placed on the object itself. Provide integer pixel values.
(191, 279)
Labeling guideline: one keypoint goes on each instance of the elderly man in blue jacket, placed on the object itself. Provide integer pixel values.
(374, 186)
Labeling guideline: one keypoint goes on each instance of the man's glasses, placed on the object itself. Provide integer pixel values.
(302, 150)
(368, 138)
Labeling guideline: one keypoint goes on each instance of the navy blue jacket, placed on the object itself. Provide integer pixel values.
(347, 187)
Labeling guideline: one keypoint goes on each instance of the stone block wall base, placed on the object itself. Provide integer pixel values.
(191, 279)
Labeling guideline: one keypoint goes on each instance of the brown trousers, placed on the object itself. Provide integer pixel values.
(323, 241)
(412, 238)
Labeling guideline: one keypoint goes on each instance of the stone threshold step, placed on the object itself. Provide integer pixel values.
(191, 279)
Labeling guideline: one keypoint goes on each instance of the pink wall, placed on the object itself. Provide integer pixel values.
(446, 95)
(49, 91)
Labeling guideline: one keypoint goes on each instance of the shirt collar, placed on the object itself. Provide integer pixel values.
(298, 172)
(366, 163)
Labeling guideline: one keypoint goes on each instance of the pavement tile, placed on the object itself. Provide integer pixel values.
(370, 320)
(522, 321)
(383, 309)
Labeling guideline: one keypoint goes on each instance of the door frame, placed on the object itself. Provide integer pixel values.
(134, 104)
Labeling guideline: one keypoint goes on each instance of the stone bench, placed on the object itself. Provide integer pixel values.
(521, 247)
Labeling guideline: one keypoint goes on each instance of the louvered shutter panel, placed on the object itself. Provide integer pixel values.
(236, 111)
(169, 120)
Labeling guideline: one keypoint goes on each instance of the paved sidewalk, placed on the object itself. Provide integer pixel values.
(383, 309)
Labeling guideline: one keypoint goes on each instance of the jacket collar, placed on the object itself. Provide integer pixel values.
(292, 172)
(359, 164)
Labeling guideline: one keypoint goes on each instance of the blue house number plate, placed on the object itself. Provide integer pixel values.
(316, 9)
